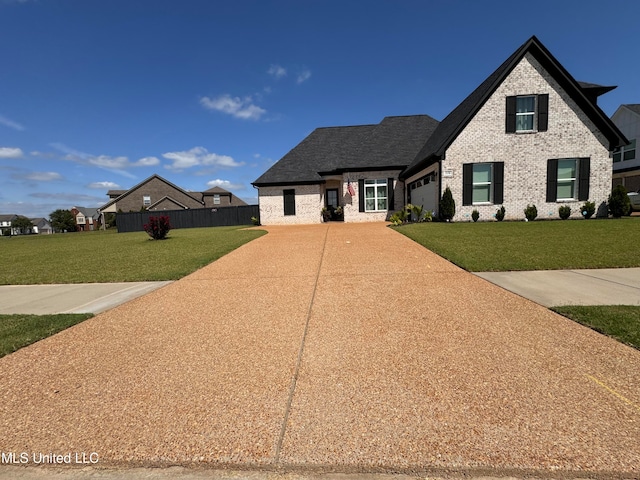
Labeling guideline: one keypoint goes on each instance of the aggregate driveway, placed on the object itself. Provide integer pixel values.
(339, 347)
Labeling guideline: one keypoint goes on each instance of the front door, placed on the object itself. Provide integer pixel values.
(332, 203)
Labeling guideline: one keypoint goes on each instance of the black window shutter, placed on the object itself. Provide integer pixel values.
(584, 169)
(511, 115)
(361, 194)
(390, 194)
(467, 184)
(498, 183)
(543, 112)
(289, 202)
(552, 180)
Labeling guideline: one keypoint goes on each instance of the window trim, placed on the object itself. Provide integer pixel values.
(146, 200)
(216, 199)
(541, 113)
(583, 178)
(490, 183)
(496, 191)
(568, 181)
(377, 183)
(533, 114)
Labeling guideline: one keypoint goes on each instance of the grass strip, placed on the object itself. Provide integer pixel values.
(538, 245)
(621, 322)
(17, 331)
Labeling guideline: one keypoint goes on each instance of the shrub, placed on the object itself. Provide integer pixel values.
(564, 211)
(619, 203)
(475, 215)
(588, 209)
(427, 216)
(447, 205)
(255, 220)
(158, 227)
(531, 212)
(398, 218)
(500, 214)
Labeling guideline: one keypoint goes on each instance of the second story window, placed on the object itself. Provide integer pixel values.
(527, 113)
(146, 200)
(216, 199)
(628, 152)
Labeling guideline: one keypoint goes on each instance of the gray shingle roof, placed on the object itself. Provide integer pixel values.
(393, 143)
(634, 107)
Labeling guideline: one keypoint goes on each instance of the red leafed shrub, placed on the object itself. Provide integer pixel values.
(158, 227)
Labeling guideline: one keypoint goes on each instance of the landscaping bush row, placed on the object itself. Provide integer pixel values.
(618, 205)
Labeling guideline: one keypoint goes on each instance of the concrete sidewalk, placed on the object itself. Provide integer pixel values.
(554, 288)
(343, 348)
(71, 298)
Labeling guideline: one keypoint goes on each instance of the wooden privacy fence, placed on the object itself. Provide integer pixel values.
(192, 218)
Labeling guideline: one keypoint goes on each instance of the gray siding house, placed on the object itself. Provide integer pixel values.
(626, 161)
(529, 134)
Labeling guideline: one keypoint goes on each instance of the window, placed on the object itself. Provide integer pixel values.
(146, 200)
(482, 178)
(482, 183)
(566, 187)
(627, 152)
(289, 201)
(527, 113)
(568, 179)
(80, 219)
(216, 199)
(375, 194)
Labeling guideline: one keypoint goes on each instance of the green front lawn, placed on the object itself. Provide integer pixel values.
(17, 331)
(621, 322)
(538, 245)
(108, 256)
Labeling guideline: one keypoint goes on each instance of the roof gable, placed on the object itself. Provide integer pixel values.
(167, 200)
(583, 94)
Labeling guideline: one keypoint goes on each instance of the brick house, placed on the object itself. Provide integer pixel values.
(87, 219)
(529, 134)
(626, 161)
(156, 194)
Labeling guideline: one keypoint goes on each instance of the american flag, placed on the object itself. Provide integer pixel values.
(350, 189)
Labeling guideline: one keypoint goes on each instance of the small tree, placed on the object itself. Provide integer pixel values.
(63, 221)
(158, 227)
(475, 215)
(619, 203)
(22, 224)
(447, 205)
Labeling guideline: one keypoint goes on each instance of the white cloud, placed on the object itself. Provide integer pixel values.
(303, 76)
(277, 71)
(198, 156)
(242, 108)
(103, 185)
(8, 152)
(147, 162)
(7, 122)
(226, 184)
(43, 176)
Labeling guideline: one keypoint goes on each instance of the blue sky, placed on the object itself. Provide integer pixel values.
(100, 94)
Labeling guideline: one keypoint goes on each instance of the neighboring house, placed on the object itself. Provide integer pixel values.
(87, 219)
(41, 226)
(626, 162)
(529, 134)
(156, 193)
(5, 224)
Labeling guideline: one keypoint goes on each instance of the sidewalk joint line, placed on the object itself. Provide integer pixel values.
(604, 279)
(294, 379)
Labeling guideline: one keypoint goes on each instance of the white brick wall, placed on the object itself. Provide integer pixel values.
(352, 205)
(570, 134)
(310, 200)
(308, 205)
